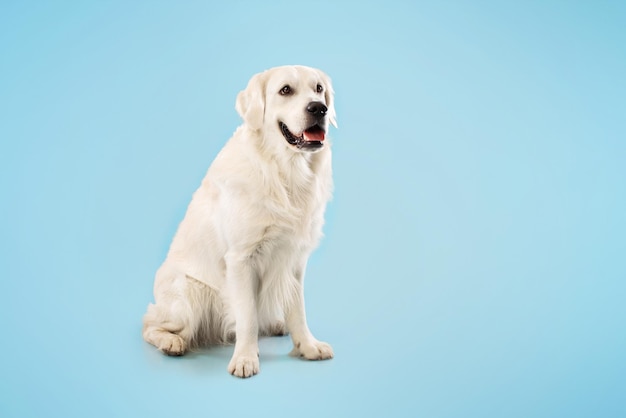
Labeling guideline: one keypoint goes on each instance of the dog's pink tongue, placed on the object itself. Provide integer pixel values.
(314, 135)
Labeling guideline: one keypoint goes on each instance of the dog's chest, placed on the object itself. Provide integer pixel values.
(281, 247)
(294, 217)
(297, 195)
(294, 221)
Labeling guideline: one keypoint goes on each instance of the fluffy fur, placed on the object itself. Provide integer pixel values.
(235, 268)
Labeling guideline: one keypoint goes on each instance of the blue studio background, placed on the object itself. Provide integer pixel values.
(473, 264)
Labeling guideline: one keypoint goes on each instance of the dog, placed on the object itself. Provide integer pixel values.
(235, 268)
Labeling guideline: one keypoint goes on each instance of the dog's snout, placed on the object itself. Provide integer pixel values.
(317, 109)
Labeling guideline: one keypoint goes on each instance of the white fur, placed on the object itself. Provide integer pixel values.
(236, 265)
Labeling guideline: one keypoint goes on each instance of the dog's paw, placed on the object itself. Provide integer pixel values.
(314, 350)
(244, 366)
(172, 345)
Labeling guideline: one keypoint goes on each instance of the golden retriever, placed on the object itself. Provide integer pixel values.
(235, 268)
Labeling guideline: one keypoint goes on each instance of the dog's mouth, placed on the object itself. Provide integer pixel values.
(311, 138)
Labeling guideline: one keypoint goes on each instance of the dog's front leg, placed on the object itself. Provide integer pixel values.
(304, 343)
(242, 286)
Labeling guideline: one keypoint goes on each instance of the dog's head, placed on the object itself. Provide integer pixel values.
(293, 103)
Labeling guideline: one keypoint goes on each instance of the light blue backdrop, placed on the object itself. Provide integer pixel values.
(474, 259)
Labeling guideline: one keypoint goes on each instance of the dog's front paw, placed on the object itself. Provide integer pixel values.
(314, 350)
(244, 365)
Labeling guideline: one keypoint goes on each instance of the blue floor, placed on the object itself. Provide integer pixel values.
(473, 264)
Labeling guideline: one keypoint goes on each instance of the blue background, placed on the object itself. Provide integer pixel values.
(474, 259)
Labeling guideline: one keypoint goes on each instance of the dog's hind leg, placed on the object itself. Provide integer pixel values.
(164, 333)
(173, 323)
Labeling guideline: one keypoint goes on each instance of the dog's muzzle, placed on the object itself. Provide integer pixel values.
(312, 138)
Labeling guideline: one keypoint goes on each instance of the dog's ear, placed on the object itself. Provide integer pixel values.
(329, 95)
(251, 102)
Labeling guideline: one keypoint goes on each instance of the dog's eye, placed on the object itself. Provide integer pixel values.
(285, 90)
(320, 88)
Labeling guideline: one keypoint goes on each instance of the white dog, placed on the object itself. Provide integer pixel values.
(235, 268)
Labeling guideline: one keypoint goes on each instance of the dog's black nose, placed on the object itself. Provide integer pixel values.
(317, 109)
